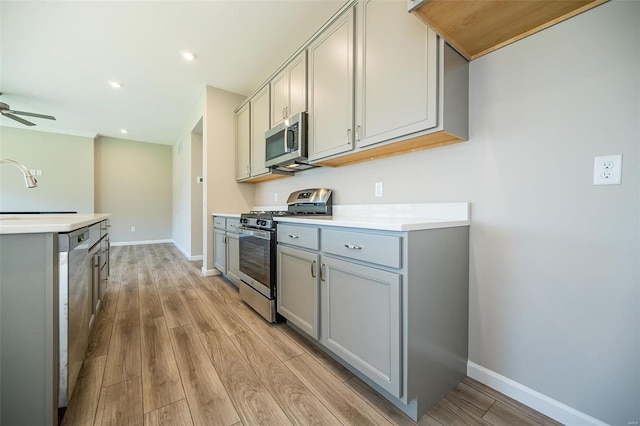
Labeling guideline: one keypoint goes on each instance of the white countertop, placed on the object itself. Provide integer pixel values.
(44, 223)
(226, 214)
(379, 223)
(385, 217)
(391, 217)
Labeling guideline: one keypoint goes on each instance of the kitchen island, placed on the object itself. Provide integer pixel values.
(30, 279)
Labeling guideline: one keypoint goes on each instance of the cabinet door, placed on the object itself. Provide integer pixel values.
(220, 250)
(396, 91)
(298, 299)
(297, 84)
(279, 97)
(331, 79)
(243, 143)
(233, 258)
(259, 125)
(361, 319)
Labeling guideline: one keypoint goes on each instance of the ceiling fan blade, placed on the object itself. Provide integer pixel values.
(31, 114)
(18, 119)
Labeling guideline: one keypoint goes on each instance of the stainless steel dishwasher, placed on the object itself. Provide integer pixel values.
(75, 313)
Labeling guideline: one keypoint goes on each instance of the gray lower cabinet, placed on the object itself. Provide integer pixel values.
(361, 319)
(233, 257)
(391, 306)
(220, 250)
(298, 288)
(226, 247)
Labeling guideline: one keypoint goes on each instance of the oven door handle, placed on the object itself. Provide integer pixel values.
(265, 235)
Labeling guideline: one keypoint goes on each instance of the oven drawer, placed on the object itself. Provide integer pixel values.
(232, 224)
(219, 222)
(381, 249)
(299, 236)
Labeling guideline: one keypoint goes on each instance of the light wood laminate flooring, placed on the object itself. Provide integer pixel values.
(170, 347)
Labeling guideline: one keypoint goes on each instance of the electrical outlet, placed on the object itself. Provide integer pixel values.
(133, 229)
(275, 196)
(607, 170)
(378, 190)
(38, 172)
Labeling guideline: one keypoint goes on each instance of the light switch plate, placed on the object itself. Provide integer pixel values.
(607, 170)
(378, 189)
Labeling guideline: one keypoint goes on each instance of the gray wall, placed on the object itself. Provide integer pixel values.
(66, 162)
(133, 182)
(197, 190)
(554, 273)
(222, 193)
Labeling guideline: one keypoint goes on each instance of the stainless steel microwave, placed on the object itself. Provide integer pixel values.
(286, 143)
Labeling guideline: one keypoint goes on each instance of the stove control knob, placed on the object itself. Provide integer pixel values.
(262, 222)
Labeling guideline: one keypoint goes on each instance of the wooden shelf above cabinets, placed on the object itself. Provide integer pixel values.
(477, 27)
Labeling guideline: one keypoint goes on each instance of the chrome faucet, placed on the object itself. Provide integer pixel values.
(29, 180)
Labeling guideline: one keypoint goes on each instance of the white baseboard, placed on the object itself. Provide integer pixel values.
(185, 253)
(136, 243)
(210, 272)
(531, 398)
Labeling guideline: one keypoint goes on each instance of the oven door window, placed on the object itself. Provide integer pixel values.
(255, 258)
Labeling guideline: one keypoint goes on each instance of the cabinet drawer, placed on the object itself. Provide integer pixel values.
(380, 249)
(219, 222)
(232, 224)
(299, 236)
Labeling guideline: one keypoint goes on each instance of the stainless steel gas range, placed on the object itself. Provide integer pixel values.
(257, 234)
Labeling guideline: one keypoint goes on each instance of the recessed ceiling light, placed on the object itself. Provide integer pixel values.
(125, 131)
(115, 84)
(188, 56)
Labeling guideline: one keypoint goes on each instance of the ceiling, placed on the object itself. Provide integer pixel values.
(57, 57)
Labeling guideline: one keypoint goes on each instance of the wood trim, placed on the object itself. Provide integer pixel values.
(263, 178)
(419, 143)
(475, 28)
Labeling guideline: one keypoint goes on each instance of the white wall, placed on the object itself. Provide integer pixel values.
(133, 183)
(554, 273)
(66, 161)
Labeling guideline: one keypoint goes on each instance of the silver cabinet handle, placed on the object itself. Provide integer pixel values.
(358, 133)
(313, 269)
(224, 239)
(294, 236)
(322, 272)
(348, 136)
(351, 246)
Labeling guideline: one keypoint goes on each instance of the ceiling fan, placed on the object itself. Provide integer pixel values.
(9, 113)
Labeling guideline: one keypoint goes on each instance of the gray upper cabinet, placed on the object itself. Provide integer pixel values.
(259, 125)
(298, 288)
(396, 84)
(243, 143)
(362, 321)
(331, 88)
(289, 90)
